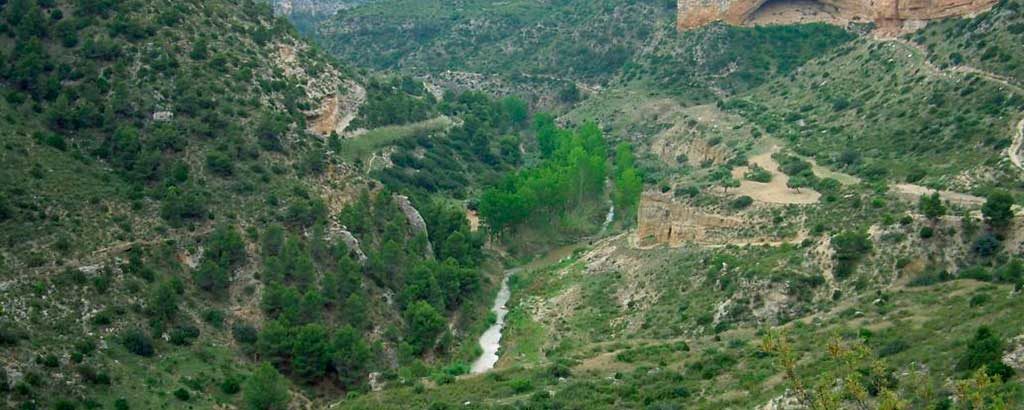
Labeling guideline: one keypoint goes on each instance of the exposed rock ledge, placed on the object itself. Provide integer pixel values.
(663, 221)
(415, 219)
(890, 16)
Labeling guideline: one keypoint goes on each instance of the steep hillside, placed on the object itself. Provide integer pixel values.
(991, 42)
(560, 52)
(186, 220)
(548, 49)
(841, 110)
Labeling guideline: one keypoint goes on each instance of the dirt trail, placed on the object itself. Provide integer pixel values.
(912, 192)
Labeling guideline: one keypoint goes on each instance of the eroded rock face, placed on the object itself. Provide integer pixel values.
(1015, 356)
(680, 149)
(312, 7)
(337, 99)
(662, 221)
(352, 243)
(889, 15)
(415, 219)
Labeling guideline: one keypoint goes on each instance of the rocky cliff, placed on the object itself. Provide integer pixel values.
(889, 15)
(312, 7)
(660, 220)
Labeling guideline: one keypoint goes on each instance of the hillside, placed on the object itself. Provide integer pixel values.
(828, 218)
(408, 204)
(188, 218)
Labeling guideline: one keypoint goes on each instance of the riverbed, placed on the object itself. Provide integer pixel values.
(490, 341)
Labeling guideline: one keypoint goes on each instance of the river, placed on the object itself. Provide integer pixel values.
(490, 341)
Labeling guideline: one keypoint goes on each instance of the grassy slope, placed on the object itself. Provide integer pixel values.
(936, 127)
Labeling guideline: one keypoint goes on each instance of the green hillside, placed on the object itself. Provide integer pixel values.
(204, 207)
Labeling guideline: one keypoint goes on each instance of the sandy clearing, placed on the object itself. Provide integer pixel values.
(776, 191)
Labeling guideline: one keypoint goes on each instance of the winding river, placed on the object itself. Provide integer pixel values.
(490, 341)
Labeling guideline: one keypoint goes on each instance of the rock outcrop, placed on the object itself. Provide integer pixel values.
(662, 221)
(888, 15)
(336, 97)
(1015, 357)
(352, 243)
(415, 219)
(677, 149)
(312, 7)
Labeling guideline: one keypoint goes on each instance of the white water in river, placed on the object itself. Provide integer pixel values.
(608, 218)
(490, 341)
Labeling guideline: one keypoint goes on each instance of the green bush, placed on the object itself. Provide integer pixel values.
(521, 385)
(850, 247)
(138, 342)
(742, 202)
(182, 394)
(986, 350)
(926, 232)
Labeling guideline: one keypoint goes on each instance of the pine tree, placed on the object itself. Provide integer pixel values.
(266, 389)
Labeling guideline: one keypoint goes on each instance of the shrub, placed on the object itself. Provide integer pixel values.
(930, 278)
(521, 385)
(758, 174)
(244, 333)
(219, 163)
(850, 247)
(742, 202)
(985, 350)
(138, 342)
(977, 273)
(182, 394)
(230, 386)
(184, 335)
(997, 209)
(987, 245)
(979, 299)
(926, 232)
(266, 389)
(214, 317)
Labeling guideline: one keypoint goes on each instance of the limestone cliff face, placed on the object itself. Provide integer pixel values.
(415, 219)
(663, 221)
(312, 7)
(887, 14)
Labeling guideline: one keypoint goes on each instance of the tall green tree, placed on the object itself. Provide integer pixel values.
(311, 352)
(628, 183)
(998, 210)
(350, 356)
(266, 389)
(424, 324)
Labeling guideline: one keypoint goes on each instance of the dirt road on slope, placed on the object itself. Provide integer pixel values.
(912, 192)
